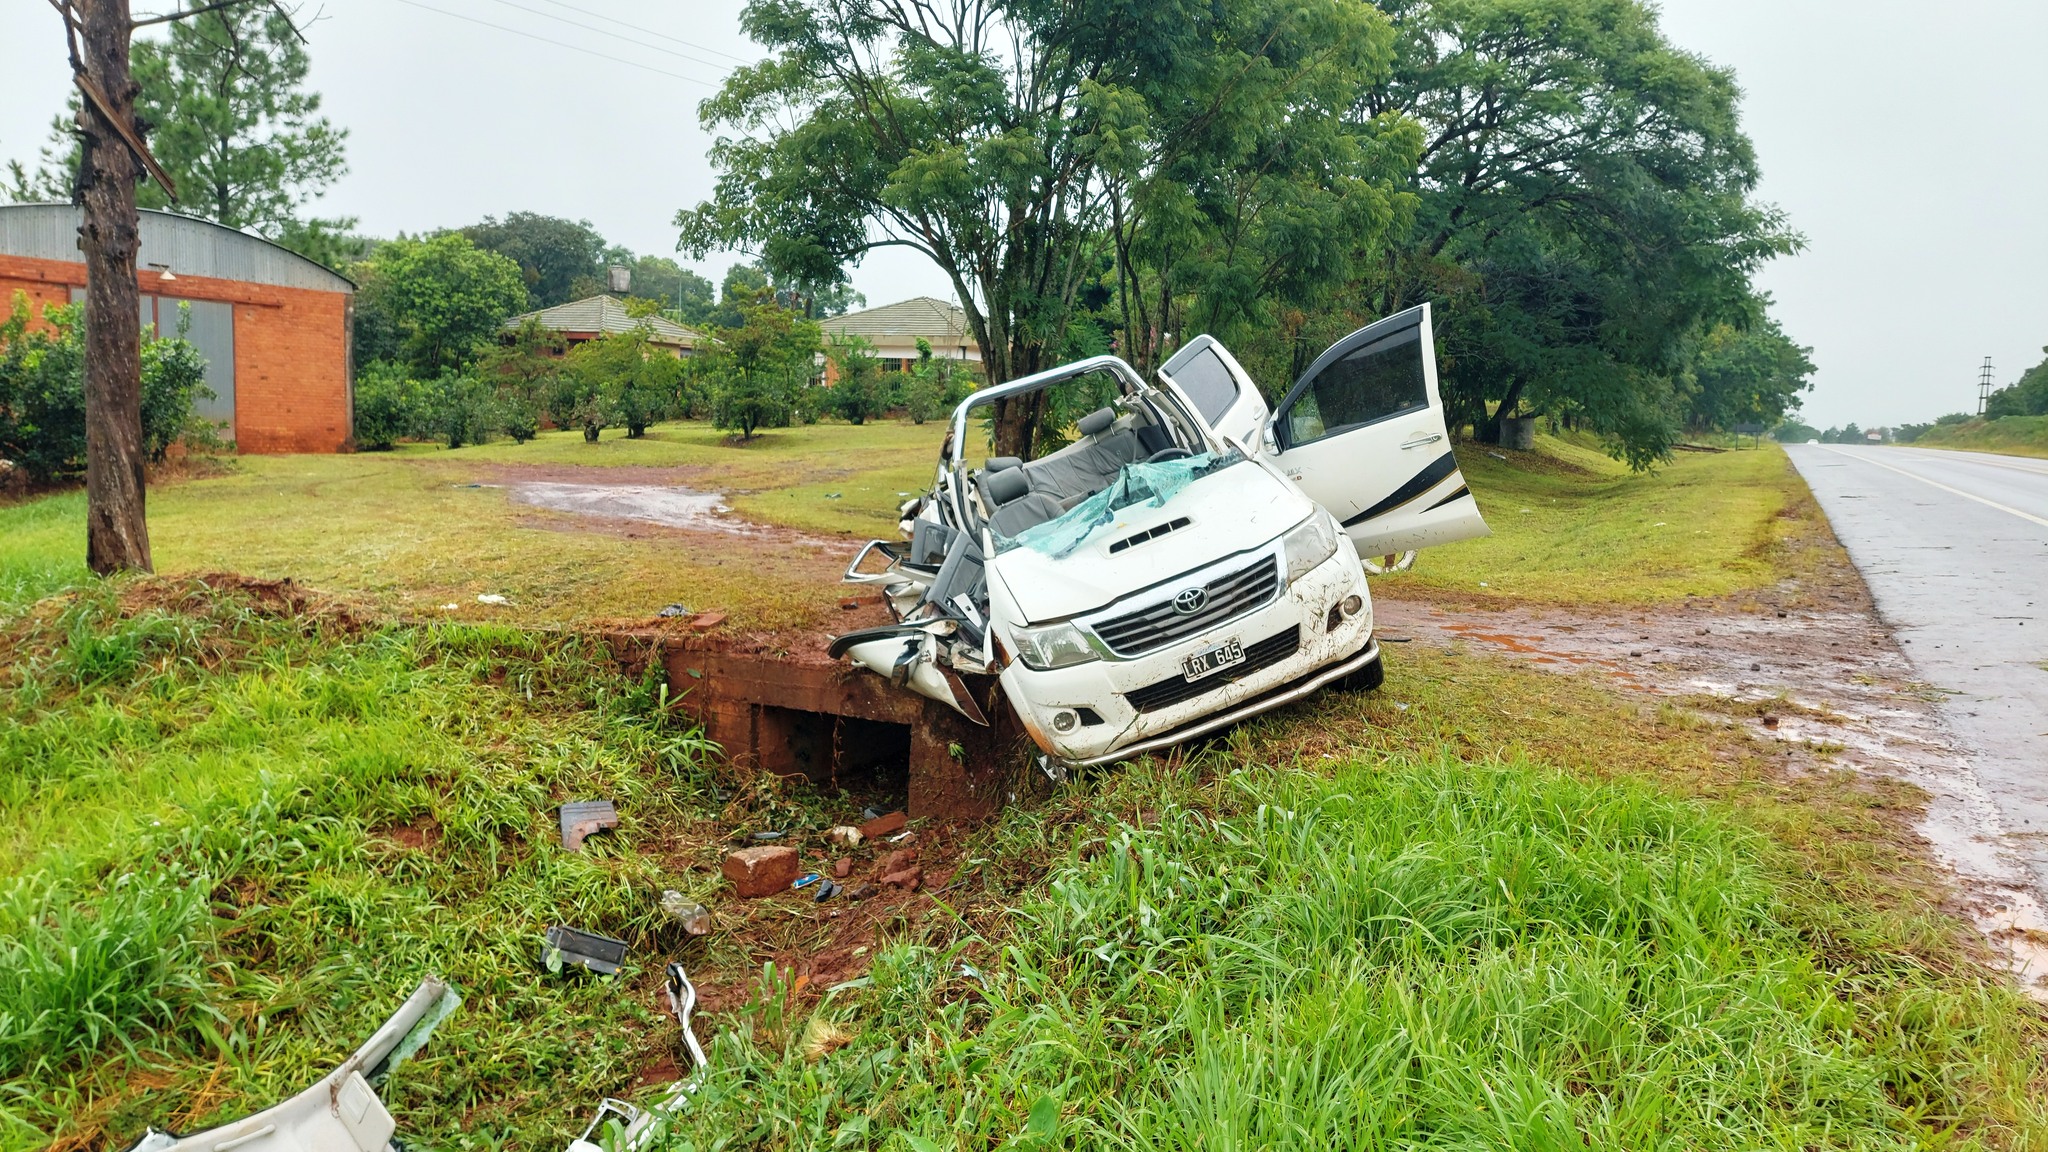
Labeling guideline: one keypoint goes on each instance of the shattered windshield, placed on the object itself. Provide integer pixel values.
(1135, 484)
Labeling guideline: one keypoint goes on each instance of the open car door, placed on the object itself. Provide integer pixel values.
(1224, 397)
(1362, 432)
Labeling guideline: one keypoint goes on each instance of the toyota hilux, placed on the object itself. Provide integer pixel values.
(1189, 560)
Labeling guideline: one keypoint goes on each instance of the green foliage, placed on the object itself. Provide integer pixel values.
(760, 370)
(434, 303)
(232, 122)
(458, 408)
(695, 299)
(526, 371)
(1750, 375)
(1795, 432)
(558, 260)
(387, 404)
(619, 378)
(2028, 396)
(42, 392)
(858, 390)
(1193, 147)
(1585, 209)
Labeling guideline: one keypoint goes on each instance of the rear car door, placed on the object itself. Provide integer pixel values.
(1225, 398)
(1362, 432)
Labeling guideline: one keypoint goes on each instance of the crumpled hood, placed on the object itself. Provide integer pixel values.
(1228, 511)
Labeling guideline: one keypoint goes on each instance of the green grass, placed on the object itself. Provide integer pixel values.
(1518, 912)
(407, 532)
(2009, 435)
(1572, 526)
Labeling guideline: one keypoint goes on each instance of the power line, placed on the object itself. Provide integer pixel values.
(616, 36)
(562, 44)
(649, 32)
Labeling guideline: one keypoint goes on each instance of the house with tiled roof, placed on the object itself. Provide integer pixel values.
(594, 316)
(894, 330)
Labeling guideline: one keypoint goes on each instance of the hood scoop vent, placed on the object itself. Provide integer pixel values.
(1152, 533)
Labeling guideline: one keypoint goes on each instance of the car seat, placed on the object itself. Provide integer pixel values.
(1017, 506)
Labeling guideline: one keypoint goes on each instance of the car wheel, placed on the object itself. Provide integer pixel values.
(1366, 679)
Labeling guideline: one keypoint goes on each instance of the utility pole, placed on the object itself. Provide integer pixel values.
(1984, 387)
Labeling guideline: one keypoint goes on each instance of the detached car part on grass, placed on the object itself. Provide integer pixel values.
(342, 1112)
(1190, 561)
(636, 1128)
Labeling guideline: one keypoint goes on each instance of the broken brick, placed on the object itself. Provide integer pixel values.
(761, 871)
(898, 860)
(883, 825)
(706, 621)
(842, 868)
(907, 878)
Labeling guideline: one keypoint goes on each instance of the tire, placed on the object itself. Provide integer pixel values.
(1366, 679)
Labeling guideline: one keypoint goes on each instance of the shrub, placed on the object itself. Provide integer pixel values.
(387, 405)
(42, 392)
(458, 409)
(857, 391)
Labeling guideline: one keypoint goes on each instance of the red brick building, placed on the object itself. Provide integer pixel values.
(273, 325)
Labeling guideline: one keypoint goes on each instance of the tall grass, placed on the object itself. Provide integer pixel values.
(1416, 953)
(79, 971)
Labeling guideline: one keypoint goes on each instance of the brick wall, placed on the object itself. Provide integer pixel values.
(291, 350)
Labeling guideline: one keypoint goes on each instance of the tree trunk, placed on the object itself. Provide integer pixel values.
(1489, 431)
(117, 530)
(1016, 419)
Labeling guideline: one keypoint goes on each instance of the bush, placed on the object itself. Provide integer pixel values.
(857, 391)
(459, 409)
(42, 393)
(387, 406)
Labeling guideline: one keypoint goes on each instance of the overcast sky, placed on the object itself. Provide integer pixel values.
(1908, 141)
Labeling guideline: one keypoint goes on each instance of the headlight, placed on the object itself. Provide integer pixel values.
(1308, 544)
(1054, 646)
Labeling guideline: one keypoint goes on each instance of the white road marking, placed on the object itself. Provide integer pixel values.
(1987, 459)
(1945, 488)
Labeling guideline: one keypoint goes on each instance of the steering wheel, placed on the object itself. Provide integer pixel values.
(1167, 454)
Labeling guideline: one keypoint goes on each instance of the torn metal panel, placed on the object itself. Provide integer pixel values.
(342, 1112)
(567, 945)
(623, 1127)
(582, 819)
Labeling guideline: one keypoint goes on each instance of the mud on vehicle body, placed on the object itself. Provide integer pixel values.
(1190, 560)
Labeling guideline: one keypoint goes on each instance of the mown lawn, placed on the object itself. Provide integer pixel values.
(1572, 526)
(411, 531)
(1485, 906)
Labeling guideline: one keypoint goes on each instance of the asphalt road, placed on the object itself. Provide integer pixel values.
(1954, 547)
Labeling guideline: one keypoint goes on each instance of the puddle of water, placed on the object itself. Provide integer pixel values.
(676, 507)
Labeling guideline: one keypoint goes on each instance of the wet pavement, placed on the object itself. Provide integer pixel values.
(670, 505)
(1954, 548)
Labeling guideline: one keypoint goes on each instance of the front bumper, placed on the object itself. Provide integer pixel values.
(1129, 706)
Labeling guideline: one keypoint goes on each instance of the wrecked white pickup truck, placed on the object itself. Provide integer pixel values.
(1189, 561)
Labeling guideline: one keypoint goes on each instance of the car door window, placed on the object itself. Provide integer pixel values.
(1371, 383)
(1207, 382)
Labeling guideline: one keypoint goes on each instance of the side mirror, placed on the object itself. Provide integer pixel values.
(1269, 438)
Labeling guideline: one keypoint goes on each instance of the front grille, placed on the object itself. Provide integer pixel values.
(1229, 596)
(1168, 692)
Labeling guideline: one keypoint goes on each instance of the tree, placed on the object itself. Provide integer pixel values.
(559, 260)
(235, 125)
(857, 388)
(2027, 396)
(435, 302)
(757, 367)
(991, 142)
(1750, 375)
(1585, 208)
(695, 299)
(525, 370)
(622, 377)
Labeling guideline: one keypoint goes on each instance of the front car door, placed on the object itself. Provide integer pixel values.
(1362, 432)
(1223, 395)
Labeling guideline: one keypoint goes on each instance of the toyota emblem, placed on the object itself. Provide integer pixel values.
(1191, 601)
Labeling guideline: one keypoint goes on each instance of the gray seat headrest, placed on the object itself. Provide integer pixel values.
(1002, 463)
(1097, 422)
(1006, 485)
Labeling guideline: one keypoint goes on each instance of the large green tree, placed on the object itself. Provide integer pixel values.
(434, 303)
(759, 368)
(1745, 374)
(559, 260)
(1586, 207)
(234, 126)
(1009, 143)
(2027, 396)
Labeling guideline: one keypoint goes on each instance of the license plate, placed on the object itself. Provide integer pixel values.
(1210, 661)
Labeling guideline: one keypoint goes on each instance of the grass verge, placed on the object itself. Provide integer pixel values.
(1485, 906)
(2009, 435)
(1571, 526)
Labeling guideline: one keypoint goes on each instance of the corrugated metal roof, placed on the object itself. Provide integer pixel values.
(606, 314)
(937, 321)
(186, 245)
